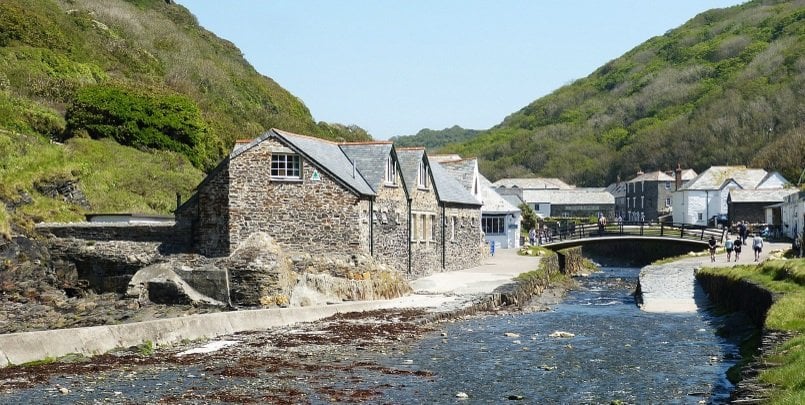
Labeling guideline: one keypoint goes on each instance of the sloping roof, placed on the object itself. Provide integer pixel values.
(409, 159)
(462, 170)
(494, 202)
(569, 197)
(324, 154)
(370, 158)
(652, 176)
(449, 189)
(444, 158)
(533, 183)
(513, 199)
(716, 177)
(617, 189)
(761, 196)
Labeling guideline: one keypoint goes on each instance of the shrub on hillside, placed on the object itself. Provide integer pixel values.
(142, 119)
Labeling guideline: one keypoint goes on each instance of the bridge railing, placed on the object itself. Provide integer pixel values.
(666, 230)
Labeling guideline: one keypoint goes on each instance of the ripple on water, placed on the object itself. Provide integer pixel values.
(618, 352)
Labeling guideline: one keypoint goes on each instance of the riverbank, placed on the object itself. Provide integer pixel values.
(773, 295)
(320, 350)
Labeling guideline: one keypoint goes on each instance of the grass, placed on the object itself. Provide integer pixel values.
(113, 178)
(786, 278)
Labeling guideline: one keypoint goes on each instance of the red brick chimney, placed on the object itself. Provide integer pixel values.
(678, 176)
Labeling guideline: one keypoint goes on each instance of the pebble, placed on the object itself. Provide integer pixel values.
(515, 397)
(511, 335)
(64, 390)
(462, 395)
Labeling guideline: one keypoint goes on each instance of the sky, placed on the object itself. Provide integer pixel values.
(394, 67)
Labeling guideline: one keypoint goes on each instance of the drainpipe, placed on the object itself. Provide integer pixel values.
(706, 206)
(444, 244)
(372, 227)
(409, 235)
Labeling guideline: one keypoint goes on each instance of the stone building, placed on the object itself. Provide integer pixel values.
(649, 195)
(336, 199)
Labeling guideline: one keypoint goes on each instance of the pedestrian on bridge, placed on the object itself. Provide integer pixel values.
(757, 245)
(737, 248)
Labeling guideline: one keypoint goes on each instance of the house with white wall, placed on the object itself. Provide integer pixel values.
(706, 194)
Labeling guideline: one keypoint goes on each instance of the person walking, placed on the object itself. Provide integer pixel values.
(757, 245)
(728, 246)
(737, 248)
(532, 236)
(743, 231)
(712, 243)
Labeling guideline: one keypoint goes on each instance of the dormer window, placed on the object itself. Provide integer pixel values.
(391, 171)
(286, 166)
(422, 175)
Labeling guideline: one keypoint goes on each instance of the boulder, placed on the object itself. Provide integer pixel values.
(159, 284)
(260, 274)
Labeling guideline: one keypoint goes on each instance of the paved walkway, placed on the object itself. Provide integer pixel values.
(672, 287)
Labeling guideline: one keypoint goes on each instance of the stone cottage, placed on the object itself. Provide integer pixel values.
(336, 199)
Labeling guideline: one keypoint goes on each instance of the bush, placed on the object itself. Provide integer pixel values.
(142, 119)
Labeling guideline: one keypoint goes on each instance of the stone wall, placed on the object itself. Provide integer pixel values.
(425, 252)
(304, 215)
(463, 243)
(738, 295)
(171, 237)
(390, 226)
(210, 214)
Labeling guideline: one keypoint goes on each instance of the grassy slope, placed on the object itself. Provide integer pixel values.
(788, 314)
(49, 49)
(727, 87)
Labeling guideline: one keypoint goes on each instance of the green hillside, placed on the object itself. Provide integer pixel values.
(132, 97)
(435, 138)
(727, 87)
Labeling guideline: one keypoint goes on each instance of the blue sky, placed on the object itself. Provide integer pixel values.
(394, 67)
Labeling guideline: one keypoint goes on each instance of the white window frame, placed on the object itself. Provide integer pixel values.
(280, 163)
(452, 228)
(497, 224)
(667, 201)
(667, 185)
(391, 172)
(422, 180)
(642, 202)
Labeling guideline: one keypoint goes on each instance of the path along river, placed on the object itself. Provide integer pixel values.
(616, 352)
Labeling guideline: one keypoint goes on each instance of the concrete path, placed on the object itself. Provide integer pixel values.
(672, 287)
(439, 292)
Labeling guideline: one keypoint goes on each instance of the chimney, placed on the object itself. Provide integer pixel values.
(678, 176)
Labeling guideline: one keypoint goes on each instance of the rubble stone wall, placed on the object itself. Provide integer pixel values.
(426, 252)
(390, 227)
(463, 244)
(302, 215)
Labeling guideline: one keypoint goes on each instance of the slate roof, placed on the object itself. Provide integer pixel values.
(513, 199)
(370, 158)
(533, 183)
(617, 189)
(652, 176)
(494, 202)
(324, 154)
(409, 159)
(717, 177)
(449, 189)
(578, 196)
(761, 195)
(462, 170)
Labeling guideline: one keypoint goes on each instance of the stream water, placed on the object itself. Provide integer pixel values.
(617, 352)
(612, 351)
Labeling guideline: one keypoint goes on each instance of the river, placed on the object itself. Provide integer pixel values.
(616, 353)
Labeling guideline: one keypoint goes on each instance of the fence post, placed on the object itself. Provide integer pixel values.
(702, 237)
(662, 229)
(641, 228)
(682, 231)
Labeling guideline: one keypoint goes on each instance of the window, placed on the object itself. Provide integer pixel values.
(424, 228)
(641, 202)
(452, 228)
(668, 201)
(391, 171)
(667, 185)
(634, 202)
(536, 207)
(700, 216)
(285, 166)
(422, 175)
(493, 225)
(414, 229)
(642, 186)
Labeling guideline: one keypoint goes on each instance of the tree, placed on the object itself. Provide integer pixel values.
(529, 218)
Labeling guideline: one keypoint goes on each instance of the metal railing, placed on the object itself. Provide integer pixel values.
(663, 230)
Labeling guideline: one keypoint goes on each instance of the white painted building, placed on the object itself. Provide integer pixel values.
(500, 220)
(706, 195)
(793, 215)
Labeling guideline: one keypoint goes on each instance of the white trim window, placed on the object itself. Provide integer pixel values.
(493, 225)
(422, 178)
(391, 171)
(667, 201)
(452, 228)
(285, 166)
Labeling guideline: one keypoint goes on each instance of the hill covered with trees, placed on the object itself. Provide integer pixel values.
(727, 87)
(128, 102)
(430, 138)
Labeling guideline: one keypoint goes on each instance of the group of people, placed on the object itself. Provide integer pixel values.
(539, 237)
(735, 246)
